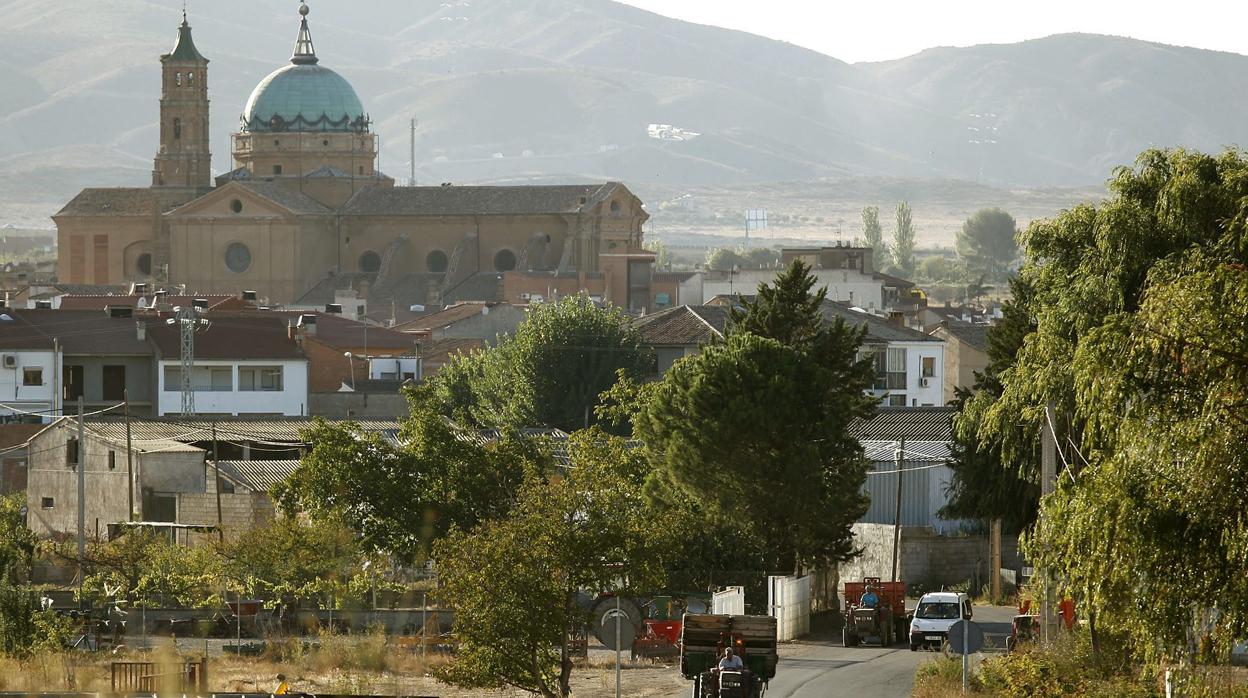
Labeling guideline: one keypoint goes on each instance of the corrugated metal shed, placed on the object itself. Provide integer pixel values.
(258, 475)
(278, 430)
(924, 485)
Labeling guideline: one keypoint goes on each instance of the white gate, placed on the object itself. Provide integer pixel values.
(730, 601)
(788, 600)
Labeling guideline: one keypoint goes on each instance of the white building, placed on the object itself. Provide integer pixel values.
(864, 290)
(28, 382)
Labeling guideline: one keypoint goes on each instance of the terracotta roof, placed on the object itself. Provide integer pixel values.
(100, 302)
(241, 336)
(449, 315)
(684, 325)
(892, 281)
(79, 332)
(344, 333)
(975, 336)
(14, 435)
(436, 353)
(456, 200)
(119, 201)
(909, 423)
(878, 329)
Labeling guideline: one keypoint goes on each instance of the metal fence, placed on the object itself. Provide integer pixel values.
(730, 601)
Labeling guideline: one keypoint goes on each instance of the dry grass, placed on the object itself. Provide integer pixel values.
(360, 665)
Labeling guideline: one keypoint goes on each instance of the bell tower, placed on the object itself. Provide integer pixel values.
(184, 159)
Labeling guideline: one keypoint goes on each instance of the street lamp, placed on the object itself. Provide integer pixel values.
(351, 365)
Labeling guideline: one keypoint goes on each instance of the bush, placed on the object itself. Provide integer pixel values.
(25, 628)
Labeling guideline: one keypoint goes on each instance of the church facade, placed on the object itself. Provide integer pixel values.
(305, 214)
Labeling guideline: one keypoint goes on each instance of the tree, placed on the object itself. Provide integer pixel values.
(903, 241)
(549, 374)
(1136, 309)
(756, 429)
(988, 242)
(724, 259)
(873, 235)
(513, 582)
(17, 543)
(402, 498)
(942, 270)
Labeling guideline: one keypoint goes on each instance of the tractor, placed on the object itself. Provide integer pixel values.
(704, 637)
(885, 624)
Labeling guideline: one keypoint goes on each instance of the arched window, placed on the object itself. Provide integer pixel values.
(177, 129)
(504, 260)
(370, 262)
(144, 264)
(190, 79)
(177, 78)
(615, 208)
(436, 261)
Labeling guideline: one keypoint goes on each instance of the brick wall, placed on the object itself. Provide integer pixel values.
(240, 512)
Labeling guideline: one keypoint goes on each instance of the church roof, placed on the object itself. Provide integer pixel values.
(184, 49)
(119, 201)
(285, 196)
(453, 200)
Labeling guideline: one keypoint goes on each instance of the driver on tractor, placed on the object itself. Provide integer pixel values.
(869, 598)
(730, 661)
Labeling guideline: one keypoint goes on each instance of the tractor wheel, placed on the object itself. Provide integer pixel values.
(849, 638)
(902, 628)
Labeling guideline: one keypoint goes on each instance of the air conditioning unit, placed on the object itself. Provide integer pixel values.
(10, 361)
(924, 382)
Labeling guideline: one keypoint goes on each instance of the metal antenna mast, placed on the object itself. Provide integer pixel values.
(186, 325)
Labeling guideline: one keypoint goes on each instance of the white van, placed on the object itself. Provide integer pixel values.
(935, 614)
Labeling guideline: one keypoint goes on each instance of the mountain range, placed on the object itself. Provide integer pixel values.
(541, 90)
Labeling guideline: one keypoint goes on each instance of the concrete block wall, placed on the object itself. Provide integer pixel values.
(926, 558)
(240, 512)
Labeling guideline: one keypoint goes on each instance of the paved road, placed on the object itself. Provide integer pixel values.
(815, 669)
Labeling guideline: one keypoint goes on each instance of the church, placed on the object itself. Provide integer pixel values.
(305, 214)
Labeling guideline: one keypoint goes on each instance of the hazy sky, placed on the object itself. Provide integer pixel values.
(870, 30)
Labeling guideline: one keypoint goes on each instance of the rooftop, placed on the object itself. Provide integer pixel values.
(241, 336)
(456, 200)
(78, 332)
(878, 329)
(116, 201)
(683, 325)
(909, 423)
(973, 335)
(449, 315)
(258, 475)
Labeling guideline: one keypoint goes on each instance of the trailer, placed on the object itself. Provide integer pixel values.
(705, 636)
(885, 624)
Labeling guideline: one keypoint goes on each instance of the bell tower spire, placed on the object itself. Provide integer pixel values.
(184, 159)
(305, 52)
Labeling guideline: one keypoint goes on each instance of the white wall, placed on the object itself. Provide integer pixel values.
(291, 400)
(31, 398)
(393, 368)
(917, 394)
(844, 285)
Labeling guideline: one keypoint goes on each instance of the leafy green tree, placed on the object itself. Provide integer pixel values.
(549, 374)
(873, 235)
(903, 241)
(401, 498)
(662, 256)
(769, 411)
(1137, 313)
(17, 543)
(513, 582)
(988, 242)
(724, 259)
(942, 270)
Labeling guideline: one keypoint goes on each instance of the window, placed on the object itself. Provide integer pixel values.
(177, 78)
(896, 400)
(32, 376)
(114, 383)
(73, 383)
(504, 260)
(437, 261)
(370, 262)
(929, 366)
(237, 257)
(615, 208)
(190, 79)
(265, 378)
(896, 366)
(209, 379)
(112, 460)
(71, 452)
(48, 503)
(236, 206)
(277, 169)
(144, 264)
(177, 129)
(361, 169)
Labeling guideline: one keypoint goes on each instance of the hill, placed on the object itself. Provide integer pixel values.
(514, 90)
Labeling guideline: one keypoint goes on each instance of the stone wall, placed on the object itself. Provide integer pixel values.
(240, 512)
(927, 559)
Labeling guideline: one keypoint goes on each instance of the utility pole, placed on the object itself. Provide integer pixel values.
(1048, 483)
(994, 558)
(413, 177)
(216, 469)
(82, 503)
(187, 321)
(125, 395)
(898, 457)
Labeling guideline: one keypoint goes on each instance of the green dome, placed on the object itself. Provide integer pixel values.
(304, 97)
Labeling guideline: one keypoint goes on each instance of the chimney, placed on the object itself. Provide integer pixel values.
(307, 324)
(333, 309)
(140, 329)
(250, 296)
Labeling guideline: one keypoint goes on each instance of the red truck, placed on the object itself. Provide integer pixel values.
(887, 623)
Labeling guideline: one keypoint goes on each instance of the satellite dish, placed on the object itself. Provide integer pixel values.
(605, 617)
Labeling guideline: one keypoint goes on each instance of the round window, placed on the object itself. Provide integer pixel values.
(237, 257)
(504, 260)
(144, 264)
(436, 261)
(370, 262)
(236, 206)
